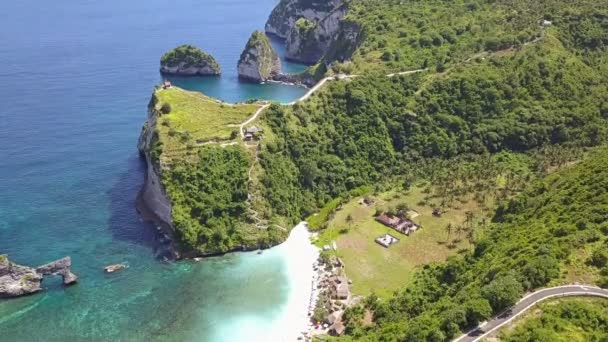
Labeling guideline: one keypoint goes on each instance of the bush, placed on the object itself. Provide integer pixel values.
(599, 258)
(165, 108)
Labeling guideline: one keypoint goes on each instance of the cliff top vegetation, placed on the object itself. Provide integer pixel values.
(188, 119)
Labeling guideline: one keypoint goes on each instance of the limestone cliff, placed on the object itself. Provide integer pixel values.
(284, 16)
(347, 39)
(308, 26)
(188, 60)
(153, 199)
(258, 62)
(17, 280)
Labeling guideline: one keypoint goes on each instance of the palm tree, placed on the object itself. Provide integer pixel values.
(459, 229)
(349, 220)
(471, 236)
(469, 217)
(449, 229)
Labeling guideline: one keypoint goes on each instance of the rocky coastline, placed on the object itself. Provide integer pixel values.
(18, 280)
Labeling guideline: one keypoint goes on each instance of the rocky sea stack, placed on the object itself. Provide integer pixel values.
(17, 280)
(188, 60)
(259, 62)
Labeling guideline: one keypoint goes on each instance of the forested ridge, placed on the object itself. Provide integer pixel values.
(362, 131)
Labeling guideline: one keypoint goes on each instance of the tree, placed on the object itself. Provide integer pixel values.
(599, 258)
(477, 310)
(349, 220)
(471, 236)
(502, 292)
(540, 271)
(449, 228)
(402, 210)
(469, 217)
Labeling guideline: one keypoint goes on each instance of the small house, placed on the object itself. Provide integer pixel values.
(253, 133)
(402, 225)
(340, 288)
(387, 220)
(166, 85)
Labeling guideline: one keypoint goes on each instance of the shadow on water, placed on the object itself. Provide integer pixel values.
(125, 222)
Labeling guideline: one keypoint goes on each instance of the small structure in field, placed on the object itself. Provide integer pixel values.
(387, 240)
(367, 202)
(253, 133)
(402, 225)
(166, 85)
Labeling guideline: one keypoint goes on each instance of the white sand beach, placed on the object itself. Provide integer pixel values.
(300, 255)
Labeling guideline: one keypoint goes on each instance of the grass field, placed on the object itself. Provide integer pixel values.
(372, 267)
(195, 118)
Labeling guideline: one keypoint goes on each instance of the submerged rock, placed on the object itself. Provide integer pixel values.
(259, 62)
(17, 280)
(188, 60)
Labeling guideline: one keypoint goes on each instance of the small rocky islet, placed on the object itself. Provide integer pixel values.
(18, 280)
(189, 60)
(258, 62)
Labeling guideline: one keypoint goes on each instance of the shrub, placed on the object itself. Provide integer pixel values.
(165, 108)
(599, 258)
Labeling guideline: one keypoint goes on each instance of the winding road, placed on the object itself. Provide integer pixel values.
(526, 303)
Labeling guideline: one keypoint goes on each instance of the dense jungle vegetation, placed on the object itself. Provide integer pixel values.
(360, 132)
(399, 35)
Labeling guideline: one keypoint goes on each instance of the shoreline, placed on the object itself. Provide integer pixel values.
(301, 257)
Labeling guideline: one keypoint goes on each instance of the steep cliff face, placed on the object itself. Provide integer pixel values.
(153, 196)
(284, 16)
(347, 39)
(188, 60)
(307, 26)
(308, 40)
(258, 62)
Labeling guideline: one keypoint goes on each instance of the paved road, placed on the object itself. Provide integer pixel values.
(526, 303)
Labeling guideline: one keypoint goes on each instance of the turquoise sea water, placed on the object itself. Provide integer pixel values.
(75, 79)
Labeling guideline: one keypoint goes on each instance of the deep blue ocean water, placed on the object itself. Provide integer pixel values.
(75, 80)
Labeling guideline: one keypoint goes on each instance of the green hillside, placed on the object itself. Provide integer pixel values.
(532, 241)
